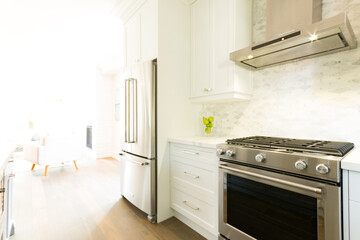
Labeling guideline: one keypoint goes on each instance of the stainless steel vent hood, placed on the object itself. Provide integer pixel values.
(313, 39)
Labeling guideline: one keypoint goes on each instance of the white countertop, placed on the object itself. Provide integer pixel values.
(209, 142)
(352, 161)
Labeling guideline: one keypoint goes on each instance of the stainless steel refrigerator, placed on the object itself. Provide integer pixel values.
(138, 142)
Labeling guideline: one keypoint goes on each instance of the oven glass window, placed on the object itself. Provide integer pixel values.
(270, 213)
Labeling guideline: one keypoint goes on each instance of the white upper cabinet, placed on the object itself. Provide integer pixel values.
(200, 48)
(132, 41)
(141, 34)
(219, 27)
(149, 30)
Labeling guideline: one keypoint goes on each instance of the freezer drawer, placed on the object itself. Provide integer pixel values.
(138, 182)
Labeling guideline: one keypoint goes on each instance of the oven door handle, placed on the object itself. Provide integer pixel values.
(292, 184)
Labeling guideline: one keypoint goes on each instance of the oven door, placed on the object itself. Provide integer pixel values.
(259, 204)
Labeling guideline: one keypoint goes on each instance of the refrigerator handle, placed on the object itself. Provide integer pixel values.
(131, 112)
(135, 125)
(126, 108)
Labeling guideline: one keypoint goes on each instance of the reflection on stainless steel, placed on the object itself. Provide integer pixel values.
(296, 32)
(300, 181)
(140, 111)
(138, 156)
(135, 181)
(292, 184)
(141, 163)
(331, 200)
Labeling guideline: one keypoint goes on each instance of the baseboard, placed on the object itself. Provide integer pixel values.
(203, 232)
(115, 155)
(103, 155)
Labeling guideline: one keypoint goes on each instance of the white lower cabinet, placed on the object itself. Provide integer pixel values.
(354, 219)
(194, 190)
(351, 205)
(354, 205)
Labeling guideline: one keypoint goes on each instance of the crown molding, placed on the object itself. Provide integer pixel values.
(127, 8)
(188, 2)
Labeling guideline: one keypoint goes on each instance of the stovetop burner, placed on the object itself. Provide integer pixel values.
(301, 145)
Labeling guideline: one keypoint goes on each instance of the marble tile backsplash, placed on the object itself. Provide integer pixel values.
(318, 98)
(259, 21)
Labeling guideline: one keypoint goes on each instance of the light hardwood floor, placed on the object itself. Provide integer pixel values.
(72, 204)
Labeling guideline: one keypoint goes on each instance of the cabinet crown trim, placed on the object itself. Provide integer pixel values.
(126, 8)
(189, 2)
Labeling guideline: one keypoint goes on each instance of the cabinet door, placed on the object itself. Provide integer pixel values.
(200, 48)
(219, 27)
(232, 30)
(221, 67)
(149, 30)
(132, 40)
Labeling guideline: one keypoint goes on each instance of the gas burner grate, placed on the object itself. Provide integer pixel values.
(302, 145)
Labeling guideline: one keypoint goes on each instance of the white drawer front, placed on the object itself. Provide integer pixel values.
(354, 183)
(196, 154)
(196, 210)
(194, 175)
(203, 194)
(354, 210)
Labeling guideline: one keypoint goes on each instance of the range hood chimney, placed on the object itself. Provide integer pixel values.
(295, 31)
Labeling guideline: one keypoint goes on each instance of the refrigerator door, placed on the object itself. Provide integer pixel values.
(139, 109)
(138, 183)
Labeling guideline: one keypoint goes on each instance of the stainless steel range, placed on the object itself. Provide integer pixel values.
(280, 188)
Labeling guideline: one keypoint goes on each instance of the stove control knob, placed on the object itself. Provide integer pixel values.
(322, 168)
(301, 165)
(220, 151)
(230, 153)
(259, 158)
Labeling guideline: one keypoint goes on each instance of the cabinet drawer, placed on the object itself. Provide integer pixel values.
(193, 175)
(196, 210)
(196, 156)
(354, 182)
(203, 194)
(354, 210)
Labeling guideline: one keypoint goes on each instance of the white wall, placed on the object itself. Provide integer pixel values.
(103, 124)
(317, 98)
(176, 115)
(118, 128)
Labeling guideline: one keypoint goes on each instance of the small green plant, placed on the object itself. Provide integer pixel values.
(208, 122)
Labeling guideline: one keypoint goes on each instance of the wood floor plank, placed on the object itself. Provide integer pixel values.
(70, 204)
